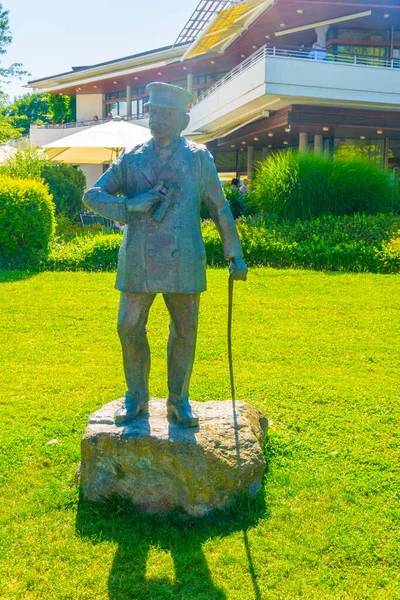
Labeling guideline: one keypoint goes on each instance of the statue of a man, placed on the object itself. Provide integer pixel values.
(157, 189)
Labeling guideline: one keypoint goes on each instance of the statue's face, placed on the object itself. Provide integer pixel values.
(165, 123)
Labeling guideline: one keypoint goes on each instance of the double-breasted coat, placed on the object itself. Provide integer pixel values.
(167, 256)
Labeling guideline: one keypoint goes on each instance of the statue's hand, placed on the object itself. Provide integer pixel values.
(143, 202)
(238, 269)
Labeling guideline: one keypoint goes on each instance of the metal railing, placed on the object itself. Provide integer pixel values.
(89, 123)
(319, 55)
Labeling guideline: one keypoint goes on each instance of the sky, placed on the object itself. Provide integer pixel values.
(50, 36)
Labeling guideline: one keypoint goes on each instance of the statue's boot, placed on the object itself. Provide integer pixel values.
(130, 409)
(181, 410)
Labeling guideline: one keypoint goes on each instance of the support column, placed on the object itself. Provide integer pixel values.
(303, 141)
(264, 153)
(129, 101)
(250, 161)
(190, 83)
(321, 35)
(318, 143)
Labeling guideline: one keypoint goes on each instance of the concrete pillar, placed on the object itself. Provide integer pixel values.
(250, 161)
(190, 83)
(318, 143)
(303, 141)
(129, 100)
(321, 35)
(264, 153)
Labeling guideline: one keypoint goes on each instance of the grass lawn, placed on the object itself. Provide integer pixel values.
(317, 352)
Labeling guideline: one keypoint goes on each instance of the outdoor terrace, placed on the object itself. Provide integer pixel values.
(274, 76)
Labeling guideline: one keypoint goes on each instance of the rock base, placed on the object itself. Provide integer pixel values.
(160, 465)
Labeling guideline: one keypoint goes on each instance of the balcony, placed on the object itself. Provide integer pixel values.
(276, 77)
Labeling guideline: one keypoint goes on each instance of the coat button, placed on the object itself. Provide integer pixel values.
(175, 253)
(151, 252)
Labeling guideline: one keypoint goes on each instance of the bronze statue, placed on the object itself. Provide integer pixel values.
(157, 189)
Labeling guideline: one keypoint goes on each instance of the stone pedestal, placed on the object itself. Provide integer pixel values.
(160, 465)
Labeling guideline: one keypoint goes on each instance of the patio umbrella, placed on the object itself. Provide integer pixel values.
(97, 144)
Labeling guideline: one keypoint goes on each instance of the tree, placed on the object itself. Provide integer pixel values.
(40, 108)
(28, 109)
(14, 70)
(8, 129)
(62, 107)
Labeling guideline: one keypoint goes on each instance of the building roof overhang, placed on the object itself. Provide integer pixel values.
(137, 62)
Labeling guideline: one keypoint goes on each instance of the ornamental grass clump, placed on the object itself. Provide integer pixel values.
(293, 185)
(26, 222)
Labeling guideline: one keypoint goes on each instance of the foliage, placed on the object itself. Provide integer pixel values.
(38, 109)
(318, 353)
(238, 203)
(29, 109)
(66, 183)
(348, 243)
(8, 129)
(14, 70)
(26, 221)
(26, 163)
(295, 185)
(62, 107)
(92, 251)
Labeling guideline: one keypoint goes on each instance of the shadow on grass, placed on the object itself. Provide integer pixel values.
(8, 276)
(180, 535)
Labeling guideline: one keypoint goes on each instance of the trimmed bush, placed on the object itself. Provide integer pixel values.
(358, 243)
(88, 252)
(67, 185)
(294, 185)
(26, 222)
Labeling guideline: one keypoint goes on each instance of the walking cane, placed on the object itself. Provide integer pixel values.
(230, 308)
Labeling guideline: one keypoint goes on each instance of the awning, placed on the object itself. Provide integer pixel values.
(226, 26)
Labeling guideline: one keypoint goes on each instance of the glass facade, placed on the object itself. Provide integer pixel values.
(115, 102)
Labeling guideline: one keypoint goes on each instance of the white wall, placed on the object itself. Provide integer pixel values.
(92, 173)
(332, 81)
(45, 136)
(275, 82)
(88, 105)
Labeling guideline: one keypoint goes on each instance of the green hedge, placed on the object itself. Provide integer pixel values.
(26, 222)
(357, 243)
(293, 185)
(66, 183)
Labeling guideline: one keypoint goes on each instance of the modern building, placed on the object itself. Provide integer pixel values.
(322, 75)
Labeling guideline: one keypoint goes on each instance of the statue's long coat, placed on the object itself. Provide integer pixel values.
(168, 256)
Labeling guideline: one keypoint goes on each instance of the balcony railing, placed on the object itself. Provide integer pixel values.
(90, 122)
(359, 60)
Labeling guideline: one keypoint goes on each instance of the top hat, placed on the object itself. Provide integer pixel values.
(169, 96)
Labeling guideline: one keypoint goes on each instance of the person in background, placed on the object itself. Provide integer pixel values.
(243, 188)
(110, 115)
(95, 118)
(301, 50)
(317, 52)
(234, 184)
